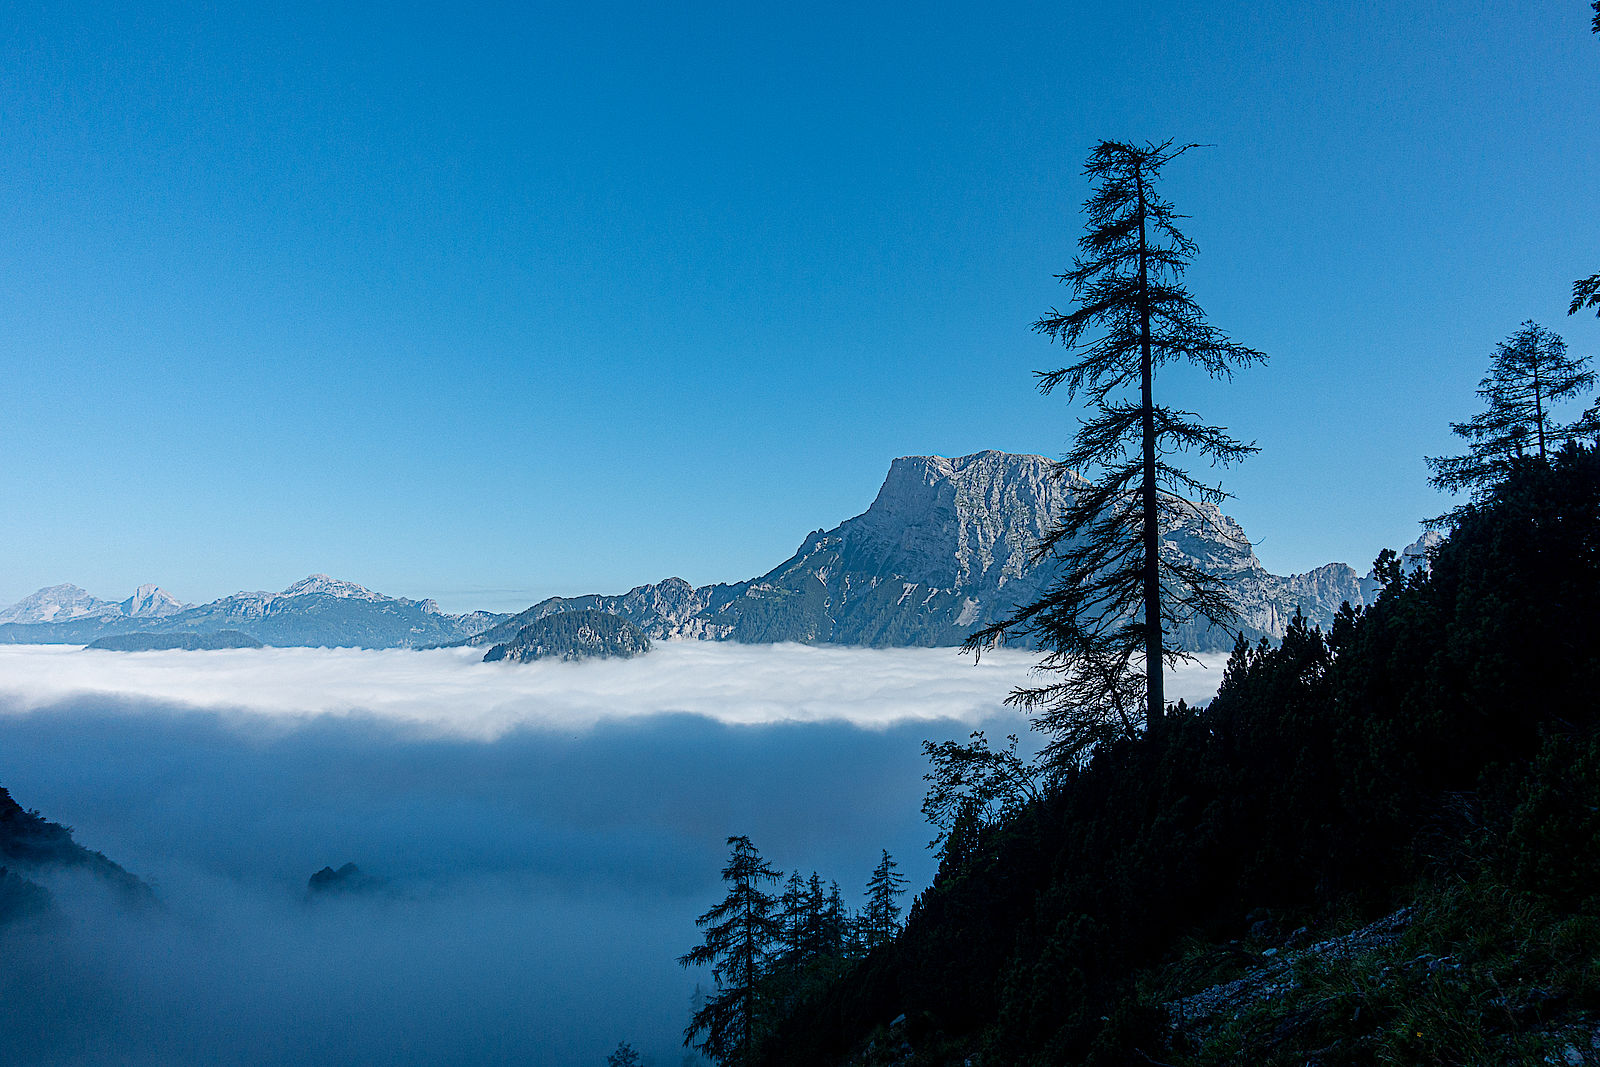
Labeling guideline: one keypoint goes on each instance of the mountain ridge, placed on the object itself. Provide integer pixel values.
(944, 548)
(61, 603)
(317, 610)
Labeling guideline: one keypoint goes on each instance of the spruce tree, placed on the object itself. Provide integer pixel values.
(792, 919)
(816, 939)
(836, 925)
(881, 916)
(792, 910)
(1529, 374)
(1103, 620)
(740, 932)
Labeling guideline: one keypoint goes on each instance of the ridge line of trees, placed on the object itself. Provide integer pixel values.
(768, 951)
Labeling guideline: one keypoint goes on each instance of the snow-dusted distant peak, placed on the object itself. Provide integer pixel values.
(150, 602)
(57, 603)
(323, 585)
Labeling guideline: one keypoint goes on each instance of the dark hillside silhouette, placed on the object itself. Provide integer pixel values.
(1449, 728)
(31, 844)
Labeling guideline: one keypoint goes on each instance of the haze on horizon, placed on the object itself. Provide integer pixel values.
(487, 306)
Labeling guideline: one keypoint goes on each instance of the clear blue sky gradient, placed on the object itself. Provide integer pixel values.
(497, 304)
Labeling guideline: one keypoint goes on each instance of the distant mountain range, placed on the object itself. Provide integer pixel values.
(943, 550)
(318, 610)
(63, 603)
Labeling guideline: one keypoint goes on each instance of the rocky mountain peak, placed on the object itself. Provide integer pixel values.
(945, 548)
(150, 601)
(989, 507)
(324, 585)
(57, 603)
(1414, 557)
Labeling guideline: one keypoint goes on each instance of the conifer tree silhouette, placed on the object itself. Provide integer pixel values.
(1102, 622)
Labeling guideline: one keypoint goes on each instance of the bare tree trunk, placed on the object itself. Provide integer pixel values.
(1155, 697)
(1538, 404)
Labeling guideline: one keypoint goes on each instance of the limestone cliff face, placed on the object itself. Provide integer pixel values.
(968, 522)
(944, 549)
(150, 602)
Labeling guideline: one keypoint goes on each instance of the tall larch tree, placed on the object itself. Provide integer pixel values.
(739, 934)
(1102, 622)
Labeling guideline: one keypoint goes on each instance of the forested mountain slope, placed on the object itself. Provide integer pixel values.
(1438, 750)
(32, 846)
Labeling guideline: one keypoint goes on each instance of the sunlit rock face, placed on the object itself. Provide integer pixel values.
(150, 602)
(57, 603)
(65, 603)
(945, 548)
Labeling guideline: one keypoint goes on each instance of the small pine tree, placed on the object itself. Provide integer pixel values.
(881, 917)
(740, 932)
(1529, 373)
(624, 1056)
(792, 915)
(976, 780)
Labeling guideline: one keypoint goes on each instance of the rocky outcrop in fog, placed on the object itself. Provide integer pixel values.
(573, 636)
(32, 847)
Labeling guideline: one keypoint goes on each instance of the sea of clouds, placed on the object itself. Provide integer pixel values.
(547, 833)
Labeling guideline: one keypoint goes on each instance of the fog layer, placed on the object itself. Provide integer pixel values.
(449, 691)
(547, 835)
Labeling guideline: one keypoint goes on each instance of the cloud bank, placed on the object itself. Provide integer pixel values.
(449, 692)
(547, 832)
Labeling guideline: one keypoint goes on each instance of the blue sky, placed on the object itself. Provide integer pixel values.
(496, 304)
